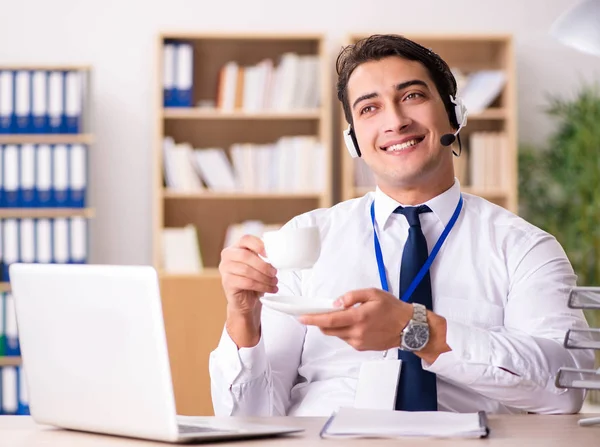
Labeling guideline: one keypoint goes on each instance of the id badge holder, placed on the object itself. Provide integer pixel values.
(377, 384)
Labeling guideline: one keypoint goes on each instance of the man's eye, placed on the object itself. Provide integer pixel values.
(366, 110)
(414, 95)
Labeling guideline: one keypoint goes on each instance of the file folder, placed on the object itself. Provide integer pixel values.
(12, 336)
(8, 379)
(2, 325)
(11, 175)
(27, 180)
(79, 240)
(184, 75)
(6, 101)
(56, 102)
(27, 240)
(60, 175)
(22, 393)
(169, 74)
(22, 101)
(78, 175)
(60, 239)
(1, 175)
(10, 244)
(43, 176)
(43, 241)
(39, 101)
(73, 101)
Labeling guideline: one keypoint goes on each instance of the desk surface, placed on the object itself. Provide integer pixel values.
(506, 430)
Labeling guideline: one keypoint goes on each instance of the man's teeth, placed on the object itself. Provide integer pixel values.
(399, 147)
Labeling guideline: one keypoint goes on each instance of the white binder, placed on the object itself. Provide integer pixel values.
(73, 101)
(10, 402)
(60, 177)
(43, 234)
(11, 243)
(43, 176)
(22, 101)
(27, 240)
(60, 236)
(39, 118)
(78, 234)
(6, 101)
(27, 186)
(11, 175)
(55, 101)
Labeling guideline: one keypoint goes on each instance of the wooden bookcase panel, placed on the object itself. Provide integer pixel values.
(213, 217)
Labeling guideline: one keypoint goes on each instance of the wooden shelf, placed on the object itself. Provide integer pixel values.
(493, 113)
(4, 287)
(49, 67)
(213, 114)
(7, 213)
(10, 361)
(46, 138)
(239, 195)
(207, 273)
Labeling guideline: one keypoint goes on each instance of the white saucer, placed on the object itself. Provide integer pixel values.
(299, 305)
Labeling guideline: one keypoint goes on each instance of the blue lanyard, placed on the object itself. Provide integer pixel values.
(415, 282)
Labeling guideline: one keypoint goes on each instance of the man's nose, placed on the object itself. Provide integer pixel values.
(396, 120)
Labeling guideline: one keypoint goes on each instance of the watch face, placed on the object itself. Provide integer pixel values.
(417, 336)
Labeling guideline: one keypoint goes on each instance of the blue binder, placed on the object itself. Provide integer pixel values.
(13, 347)
(39, 102)
(7, 101)
(22, 393)
(56, 102)
(43, 176)
(73, 101)
(11, 177)
(60, 176)
(184, 74)
(1, 176)
(22, 89)
(27, 194)
(2, 325)
(77, 175)
(169, 74)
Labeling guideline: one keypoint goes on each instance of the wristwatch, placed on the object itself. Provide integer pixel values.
(416, 333)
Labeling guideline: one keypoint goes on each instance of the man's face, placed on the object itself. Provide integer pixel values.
(399, 118)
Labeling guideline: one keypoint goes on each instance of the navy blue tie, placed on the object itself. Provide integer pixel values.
(417, 390)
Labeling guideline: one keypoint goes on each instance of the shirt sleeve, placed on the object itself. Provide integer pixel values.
(517, 364)
(257, 381)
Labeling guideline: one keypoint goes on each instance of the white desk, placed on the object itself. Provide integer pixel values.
(517, 430)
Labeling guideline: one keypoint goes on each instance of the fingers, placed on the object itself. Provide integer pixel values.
(354, 297)
(241, 276)
(341, 319)
(252, 243)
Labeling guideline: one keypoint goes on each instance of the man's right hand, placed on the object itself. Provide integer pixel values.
(245, 278)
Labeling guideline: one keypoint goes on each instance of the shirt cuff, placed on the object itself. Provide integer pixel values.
(241, 365)
(470, 354)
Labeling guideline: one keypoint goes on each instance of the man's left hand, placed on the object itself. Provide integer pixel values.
(376, 324)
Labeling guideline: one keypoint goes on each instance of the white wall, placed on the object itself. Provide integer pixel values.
(118, 37)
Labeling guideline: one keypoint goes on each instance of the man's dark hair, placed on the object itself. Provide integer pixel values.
(378, 47)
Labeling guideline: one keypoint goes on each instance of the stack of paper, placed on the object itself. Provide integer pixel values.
(357, 423)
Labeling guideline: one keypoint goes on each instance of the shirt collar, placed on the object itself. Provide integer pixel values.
(443, 205)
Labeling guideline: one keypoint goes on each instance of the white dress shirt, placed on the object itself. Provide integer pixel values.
(501, 283)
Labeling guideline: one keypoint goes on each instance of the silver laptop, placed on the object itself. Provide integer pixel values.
(95, 355)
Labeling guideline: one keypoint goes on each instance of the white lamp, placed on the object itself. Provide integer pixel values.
(579, 27)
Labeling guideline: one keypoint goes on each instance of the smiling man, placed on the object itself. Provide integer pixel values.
(447, 301)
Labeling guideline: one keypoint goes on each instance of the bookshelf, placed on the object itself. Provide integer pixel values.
(44, 145)
(194, 304)
(468, 54)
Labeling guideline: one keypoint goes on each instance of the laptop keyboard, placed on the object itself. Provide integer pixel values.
(190, 429)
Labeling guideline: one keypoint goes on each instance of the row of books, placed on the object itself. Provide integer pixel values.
(178, 73)
(43, 175)
(59, 240)
(486, 163)
(483, 164)
(181, 252)
(41, 102)
(291, 85)
(14, 398)
(291, 164)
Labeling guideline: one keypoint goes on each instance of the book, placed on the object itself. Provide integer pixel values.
(366, 423)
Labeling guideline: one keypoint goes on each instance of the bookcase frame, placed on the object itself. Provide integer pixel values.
(467, 52)
(194, 305)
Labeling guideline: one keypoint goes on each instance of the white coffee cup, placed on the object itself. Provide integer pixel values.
(293, 248)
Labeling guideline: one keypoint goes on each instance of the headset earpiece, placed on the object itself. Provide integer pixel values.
(351, 143)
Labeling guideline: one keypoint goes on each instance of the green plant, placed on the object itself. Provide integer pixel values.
(559, 186)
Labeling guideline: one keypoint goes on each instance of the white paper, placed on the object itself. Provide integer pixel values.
(355, 422)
